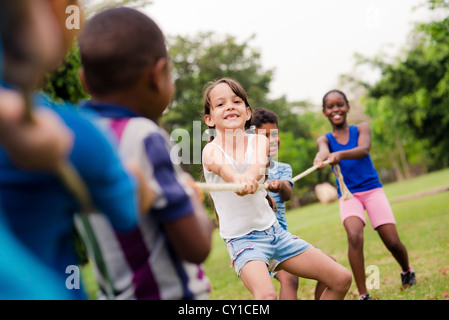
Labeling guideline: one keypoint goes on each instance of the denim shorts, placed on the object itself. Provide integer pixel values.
(273, 246)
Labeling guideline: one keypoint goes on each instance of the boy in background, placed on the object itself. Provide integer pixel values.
(129, 79)
(280, 189)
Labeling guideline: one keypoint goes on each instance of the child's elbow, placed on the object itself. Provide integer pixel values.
(365, 152)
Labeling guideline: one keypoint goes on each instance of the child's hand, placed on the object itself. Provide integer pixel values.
(275, 185)
(319, 163)
(40, 145)
(251, 185)
(334, 158)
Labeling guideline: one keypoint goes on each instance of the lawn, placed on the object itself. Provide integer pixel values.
(422, 223)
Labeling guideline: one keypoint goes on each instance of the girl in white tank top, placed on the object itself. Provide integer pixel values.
(255, 240)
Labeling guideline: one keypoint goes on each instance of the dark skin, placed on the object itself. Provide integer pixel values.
(282, 187)
(289, 282)
(335, 108)
(149, 96)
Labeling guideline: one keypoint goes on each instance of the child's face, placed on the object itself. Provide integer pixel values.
(270, 130)
(227, 111)
(335, 108)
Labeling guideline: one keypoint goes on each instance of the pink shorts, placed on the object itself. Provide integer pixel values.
(375, 203)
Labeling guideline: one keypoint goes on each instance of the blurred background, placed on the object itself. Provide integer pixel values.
(391, 58)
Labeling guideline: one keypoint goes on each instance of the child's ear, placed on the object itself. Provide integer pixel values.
(249, 113)
(208, 120)
(160, 74)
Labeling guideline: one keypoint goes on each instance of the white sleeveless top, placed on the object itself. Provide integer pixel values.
(239, 215)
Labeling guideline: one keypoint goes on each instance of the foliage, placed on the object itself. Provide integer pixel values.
(64, 84)
(410, 101)
(407, 107)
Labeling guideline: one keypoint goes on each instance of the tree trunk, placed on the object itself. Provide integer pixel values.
(397, 168)
(403, 158)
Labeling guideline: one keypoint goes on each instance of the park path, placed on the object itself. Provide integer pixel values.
(421, 194)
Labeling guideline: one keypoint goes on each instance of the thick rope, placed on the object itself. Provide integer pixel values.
(308, 171)
(209, 187)
(212, 187)
(345, 193)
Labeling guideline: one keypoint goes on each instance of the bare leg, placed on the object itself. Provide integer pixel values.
(354, 229)
(320, 287)
(390, 238)
(314, 264)
(289, 285)
(256, 278)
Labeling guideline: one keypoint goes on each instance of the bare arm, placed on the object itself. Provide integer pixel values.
(259, 161)
(323, 151)
(215, 161)
(362, 149)
(283, 187)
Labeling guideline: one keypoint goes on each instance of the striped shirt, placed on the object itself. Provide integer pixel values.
(142, 264)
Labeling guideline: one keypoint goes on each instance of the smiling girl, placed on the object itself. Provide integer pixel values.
(255, 240)
(349, 147)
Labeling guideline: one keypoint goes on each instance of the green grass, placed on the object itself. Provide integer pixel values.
(422, 223)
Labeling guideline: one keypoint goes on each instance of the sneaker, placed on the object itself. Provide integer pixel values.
(408, 278)
(365, 296)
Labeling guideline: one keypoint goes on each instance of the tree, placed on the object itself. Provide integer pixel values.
(198, 60)
(408, 105)
(64, 83)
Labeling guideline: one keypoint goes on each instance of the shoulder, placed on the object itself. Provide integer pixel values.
(212, 154)
(283, 168)
(282, 165)
(209, 149)
(259, 140)
(364, 128)
(322, 139)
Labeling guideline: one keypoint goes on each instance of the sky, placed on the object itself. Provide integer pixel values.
(309, 43)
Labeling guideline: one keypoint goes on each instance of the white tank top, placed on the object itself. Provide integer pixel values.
(239, 215)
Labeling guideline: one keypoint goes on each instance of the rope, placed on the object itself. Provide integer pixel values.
(208, 187)
(345, 193)
(308, 171)
(212, 187)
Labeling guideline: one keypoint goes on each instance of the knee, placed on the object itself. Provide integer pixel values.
(355, 238)
(286, 278)
(342, 281)
(269, 294)
(289, 280)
